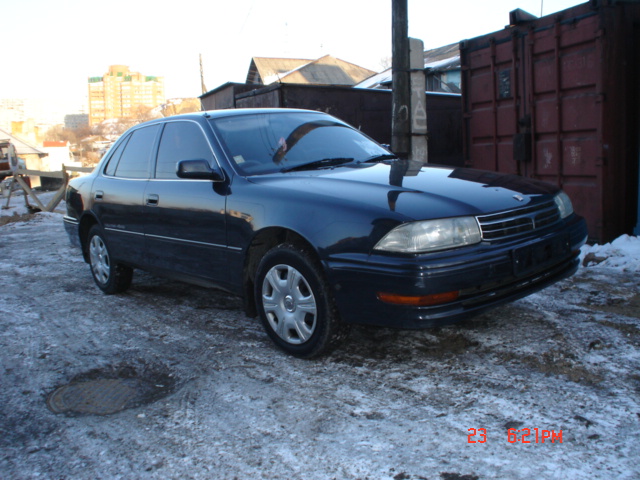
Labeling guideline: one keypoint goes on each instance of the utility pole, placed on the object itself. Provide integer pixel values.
(401, 96)
(202, 86)
(419, 131)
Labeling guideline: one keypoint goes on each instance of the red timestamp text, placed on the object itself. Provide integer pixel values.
(523, 435)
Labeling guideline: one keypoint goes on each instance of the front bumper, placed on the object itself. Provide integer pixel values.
(485, 276)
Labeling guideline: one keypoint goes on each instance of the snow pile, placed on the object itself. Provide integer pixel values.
(623, 254)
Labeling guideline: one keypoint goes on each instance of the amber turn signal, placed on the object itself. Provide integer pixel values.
(419, 301)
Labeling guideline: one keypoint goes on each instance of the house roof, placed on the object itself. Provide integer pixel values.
(443, 58)
(326, 70)
(22, 147)
(53, 144)
(262, 69)
(436, 60)
(380, 80)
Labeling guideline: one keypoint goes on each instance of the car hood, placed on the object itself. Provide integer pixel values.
(412, 190)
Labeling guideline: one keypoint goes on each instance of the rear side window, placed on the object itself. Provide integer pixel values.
(110, 169)
(135, 159)
(181, 141)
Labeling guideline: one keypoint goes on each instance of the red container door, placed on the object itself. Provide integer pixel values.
(556, 99)
(566, 108)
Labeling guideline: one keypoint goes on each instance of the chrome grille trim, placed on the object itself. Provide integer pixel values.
(497, 226)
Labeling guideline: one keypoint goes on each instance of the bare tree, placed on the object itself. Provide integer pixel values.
(59, 133)
(385, 63)
(181, 105)
(142, 113)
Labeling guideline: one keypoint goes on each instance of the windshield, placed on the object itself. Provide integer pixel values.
(285, 141)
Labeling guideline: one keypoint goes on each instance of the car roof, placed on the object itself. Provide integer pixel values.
(253, 111)
(232, 112)
(240, 112)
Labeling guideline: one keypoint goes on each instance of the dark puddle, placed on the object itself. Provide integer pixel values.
(111, 390)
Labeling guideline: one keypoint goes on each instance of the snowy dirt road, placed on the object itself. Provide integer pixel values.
(387, 405)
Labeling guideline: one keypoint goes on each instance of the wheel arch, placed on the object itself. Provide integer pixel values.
(86, 222)
(261, 243)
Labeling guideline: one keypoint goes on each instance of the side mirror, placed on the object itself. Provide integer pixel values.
(198, 170)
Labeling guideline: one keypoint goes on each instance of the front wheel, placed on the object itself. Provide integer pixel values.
(110, 277)
(295, 304)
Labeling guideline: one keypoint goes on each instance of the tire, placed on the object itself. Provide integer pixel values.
(295, 303)
(110, 277)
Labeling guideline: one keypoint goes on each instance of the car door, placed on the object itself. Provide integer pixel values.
(119, 191)
(185, 219)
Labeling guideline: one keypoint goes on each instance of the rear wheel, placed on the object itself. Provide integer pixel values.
(295, 303)
(110, 277)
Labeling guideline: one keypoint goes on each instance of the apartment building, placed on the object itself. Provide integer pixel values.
(119, 92)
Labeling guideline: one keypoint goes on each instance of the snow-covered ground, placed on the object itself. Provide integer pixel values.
(387, 405)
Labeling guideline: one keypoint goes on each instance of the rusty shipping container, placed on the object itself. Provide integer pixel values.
(558, 99)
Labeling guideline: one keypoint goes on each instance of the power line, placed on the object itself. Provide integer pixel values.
(247, 17)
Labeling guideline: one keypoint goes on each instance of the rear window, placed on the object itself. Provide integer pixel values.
(131, 159)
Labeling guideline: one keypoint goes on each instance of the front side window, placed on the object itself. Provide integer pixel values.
(134, 162)
(181, 141)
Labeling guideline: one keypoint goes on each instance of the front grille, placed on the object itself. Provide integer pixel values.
(501, 225)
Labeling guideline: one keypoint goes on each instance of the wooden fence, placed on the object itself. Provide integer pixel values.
(59, 195)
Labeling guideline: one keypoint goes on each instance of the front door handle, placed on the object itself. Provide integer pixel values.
(152, 200)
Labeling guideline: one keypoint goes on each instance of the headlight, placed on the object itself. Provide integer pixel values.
(431, 235)
(564, 204)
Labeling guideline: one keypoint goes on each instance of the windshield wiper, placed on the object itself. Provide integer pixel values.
(318, 164)
(380, 158)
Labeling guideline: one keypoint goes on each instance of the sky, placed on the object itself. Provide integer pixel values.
(51, 48)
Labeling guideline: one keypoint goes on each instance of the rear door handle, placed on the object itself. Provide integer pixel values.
(152, 200)
(99, 194)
